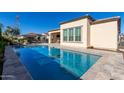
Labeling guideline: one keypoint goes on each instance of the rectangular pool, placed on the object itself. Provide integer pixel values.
(49, 63)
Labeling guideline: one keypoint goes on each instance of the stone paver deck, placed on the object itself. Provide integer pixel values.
(109, 67)
(12, 68)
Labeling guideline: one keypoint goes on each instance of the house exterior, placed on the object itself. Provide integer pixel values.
(54, 36)
(121, 40)
(33, 37)
(86, 32)
(44, 38)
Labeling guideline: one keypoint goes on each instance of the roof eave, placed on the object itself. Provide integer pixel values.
(54, 30)
(76, 19)
(106, 20)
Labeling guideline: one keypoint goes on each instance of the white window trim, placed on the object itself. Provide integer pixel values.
(73, 35)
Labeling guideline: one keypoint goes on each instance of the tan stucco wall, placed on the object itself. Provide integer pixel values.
(99, 35)
(83, 23)
(104, 35)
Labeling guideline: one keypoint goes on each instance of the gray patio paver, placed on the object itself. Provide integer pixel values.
(12, 68)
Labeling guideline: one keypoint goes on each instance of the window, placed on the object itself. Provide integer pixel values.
(65, 35)
(71, 33)
(78, 34)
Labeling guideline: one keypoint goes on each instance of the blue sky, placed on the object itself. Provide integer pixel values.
(41, 22)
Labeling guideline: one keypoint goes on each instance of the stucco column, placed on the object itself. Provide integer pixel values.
(61, 36)
(88, 32)
(49, 40)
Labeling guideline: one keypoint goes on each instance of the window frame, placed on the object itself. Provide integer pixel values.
(73, 34)
(65, 36)
(78, 35)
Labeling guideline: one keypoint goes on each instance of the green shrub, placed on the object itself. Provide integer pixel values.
(3, 43)
(2, 47)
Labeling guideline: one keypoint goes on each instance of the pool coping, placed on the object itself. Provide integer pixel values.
(13, 69)
(109, 67)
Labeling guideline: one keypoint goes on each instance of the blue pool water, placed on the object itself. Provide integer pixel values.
(48, 63)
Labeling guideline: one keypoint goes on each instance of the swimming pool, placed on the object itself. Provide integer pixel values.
(49, 63)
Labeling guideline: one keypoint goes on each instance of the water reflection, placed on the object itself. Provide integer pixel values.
(76, 63)
(54, 52)
(49, 63)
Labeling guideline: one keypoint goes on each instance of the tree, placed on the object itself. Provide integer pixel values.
(1, 26)
(10, 32)
(16, 31)
(1, 41)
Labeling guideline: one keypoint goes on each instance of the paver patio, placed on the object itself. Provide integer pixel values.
(109, 67)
